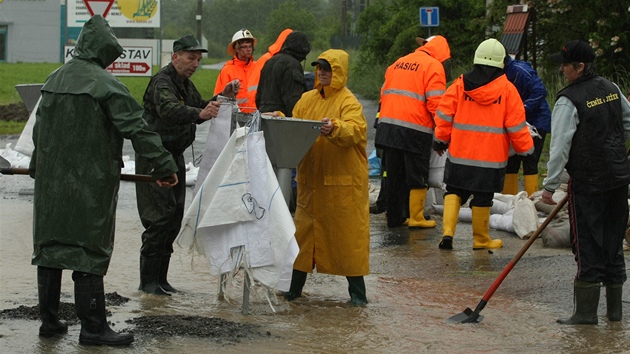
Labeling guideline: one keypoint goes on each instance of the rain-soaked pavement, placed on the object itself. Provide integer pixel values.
(413, 289)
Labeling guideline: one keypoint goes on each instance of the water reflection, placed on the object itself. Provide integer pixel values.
(413, 289)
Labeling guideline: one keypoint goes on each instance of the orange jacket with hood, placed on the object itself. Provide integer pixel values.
(254, 78)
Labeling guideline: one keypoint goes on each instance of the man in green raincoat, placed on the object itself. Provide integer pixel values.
(172, 107)
(84, 116)
(332, 218)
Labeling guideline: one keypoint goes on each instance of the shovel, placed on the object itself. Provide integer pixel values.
(6, 169)
(470, 316)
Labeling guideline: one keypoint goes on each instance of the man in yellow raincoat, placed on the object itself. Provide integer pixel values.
(332, 216)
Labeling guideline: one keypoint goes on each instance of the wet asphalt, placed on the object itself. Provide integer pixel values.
(536, 290)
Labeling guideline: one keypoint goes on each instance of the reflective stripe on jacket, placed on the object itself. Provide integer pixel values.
(478, 125)
(412, 90)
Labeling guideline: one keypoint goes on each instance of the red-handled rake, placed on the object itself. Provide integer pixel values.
(470, 316)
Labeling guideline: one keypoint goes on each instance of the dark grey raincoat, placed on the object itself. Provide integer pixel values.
(83, 118)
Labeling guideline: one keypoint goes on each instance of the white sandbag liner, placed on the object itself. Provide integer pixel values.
(218, 136)
(233, 211)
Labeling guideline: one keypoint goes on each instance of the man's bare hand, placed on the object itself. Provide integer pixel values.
(210, 111)
(168, 182)
(547, 197)
(328, 127)
(232, 88)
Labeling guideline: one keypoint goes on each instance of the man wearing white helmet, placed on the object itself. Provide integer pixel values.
(478, 117)
(239, 68)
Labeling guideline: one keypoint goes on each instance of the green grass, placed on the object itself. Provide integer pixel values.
(33, 73)
(11, 127)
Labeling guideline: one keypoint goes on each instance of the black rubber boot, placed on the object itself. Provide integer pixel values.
(356, 288)
(613, 301)
(298, 279)
(149, 275)
(586, 303)
(164, 263)
(89, 299)
(49, 291)
(446, 243)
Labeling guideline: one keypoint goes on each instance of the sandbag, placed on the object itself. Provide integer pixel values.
(25, 144)
(436, 170)
(525, 219)
(557, 232)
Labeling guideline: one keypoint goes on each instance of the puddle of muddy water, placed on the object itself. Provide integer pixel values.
(413, 288)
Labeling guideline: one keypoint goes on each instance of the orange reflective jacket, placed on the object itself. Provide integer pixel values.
(254, 78)
(412, 90)
(438, 48)
(480, 124)
(237, 69)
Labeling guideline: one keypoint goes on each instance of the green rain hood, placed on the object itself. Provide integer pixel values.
(82, 120)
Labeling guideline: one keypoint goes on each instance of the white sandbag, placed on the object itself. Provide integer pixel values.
(465, 214)
(17, 159)
(525, 218)
(502, 203)
(25, 144)
(502, 222)
(436, 170)
(500, 206)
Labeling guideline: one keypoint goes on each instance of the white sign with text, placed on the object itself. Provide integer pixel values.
(134, 61)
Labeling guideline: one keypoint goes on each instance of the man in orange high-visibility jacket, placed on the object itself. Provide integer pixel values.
(239, 68)
(478, 118)
(409, 98)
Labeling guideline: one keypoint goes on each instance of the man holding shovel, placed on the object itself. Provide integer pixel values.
(590, 124)
(84, 115)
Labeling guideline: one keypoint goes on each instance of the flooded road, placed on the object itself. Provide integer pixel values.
(412, 290)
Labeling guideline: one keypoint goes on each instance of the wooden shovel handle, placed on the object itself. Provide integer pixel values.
(123, 177)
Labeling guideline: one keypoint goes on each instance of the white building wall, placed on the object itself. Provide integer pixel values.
(33, 32)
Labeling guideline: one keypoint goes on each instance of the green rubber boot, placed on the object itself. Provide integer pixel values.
(613, 301)
(586, 302)
(356, 288)
(298, 279)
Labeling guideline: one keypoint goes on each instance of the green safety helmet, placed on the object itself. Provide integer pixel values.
(491, 53)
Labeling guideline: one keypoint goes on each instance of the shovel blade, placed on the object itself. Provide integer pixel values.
(465, 317)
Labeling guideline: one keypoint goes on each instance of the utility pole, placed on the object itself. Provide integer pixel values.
(198, 18)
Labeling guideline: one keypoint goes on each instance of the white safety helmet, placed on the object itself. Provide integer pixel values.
(243, 33)
(491, 53)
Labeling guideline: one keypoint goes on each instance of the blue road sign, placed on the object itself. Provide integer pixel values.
(430, 16)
